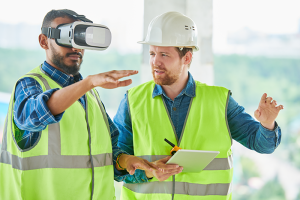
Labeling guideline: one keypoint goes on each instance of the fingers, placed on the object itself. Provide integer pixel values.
(169, 166)
(152, 166)
(268, 100)
(145, 165)
(130, 169)
(280, 107)
(117, 74)
(111, 79)
(124, 83)
(164, 160)
(263, 98)
(274, 103)
(257, 114)
(174, 170)
(161, 176)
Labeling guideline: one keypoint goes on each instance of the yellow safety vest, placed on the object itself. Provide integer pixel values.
(205, 128)
(71, 160)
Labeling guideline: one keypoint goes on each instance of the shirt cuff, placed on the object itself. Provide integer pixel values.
(119, 175)
(268, 131)
(140, 176)
(275, 133)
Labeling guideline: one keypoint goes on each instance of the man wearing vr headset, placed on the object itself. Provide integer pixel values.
(190, 114)
(59, 142)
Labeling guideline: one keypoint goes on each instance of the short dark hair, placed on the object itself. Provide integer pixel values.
(53, 14)
(182, 52)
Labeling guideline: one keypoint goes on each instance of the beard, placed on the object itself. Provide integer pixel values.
(168, 79)
(58, 60)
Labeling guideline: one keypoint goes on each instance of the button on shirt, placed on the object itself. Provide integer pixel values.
(244, 129)
(32, 115)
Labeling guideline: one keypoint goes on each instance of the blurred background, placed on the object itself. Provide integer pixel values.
(247, 46)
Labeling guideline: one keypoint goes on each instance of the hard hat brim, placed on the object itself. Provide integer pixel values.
(195, 48)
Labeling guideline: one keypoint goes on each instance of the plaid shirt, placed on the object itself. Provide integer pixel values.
(31, 114)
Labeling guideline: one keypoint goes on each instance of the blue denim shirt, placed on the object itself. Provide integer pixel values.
(244, 129)
(32, 115)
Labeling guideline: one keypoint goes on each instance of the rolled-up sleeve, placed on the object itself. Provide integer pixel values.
(123, 122)
(31, 112)
(249, 132)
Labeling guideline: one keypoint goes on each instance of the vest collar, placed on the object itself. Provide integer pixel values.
(60, 77)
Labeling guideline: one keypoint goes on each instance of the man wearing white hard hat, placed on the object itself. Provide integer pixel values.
(190, 114)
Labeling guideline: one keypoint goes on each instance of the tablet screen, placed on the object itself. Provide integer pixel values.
(192, 161)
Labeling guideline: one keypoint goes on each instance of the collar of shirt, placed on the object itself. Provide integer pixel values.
(60, 77)
(189, 90)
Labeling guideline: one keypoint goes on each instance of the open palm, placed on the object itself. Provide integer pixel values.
(110, 80)
(267, 110)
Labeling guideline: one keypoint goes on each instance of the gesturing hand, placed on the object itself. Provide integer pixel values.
(165, 171)
(131, 163)
(110, 80)
(267, 111)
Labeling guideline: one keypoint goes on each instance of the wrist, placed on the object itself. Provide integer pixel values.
(120, 160)
(89, 82)
(123, 159)
(269, 126)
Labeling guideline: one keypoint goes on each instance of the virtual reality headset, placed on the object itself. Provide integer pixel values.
(83, 34)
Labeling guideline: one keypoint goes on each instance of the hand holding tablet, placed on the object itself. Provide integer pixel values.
(192, 161)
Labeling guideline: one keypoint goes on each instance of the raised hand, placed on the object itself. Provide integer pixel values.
(165, 171)
(110, 80)
(267, 111)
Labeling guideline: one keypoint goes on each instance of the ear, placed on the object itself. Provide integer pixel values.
(188, 58)
(43, 40)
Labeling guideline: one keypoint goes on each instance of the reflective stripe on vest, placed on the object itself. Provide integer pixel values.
(205, 128)
(181, 188)
(88, 170)
(54, 148)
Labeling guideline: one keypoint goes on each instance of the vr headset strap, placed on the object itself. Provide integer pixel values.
(51, 32)
(55, 33)
(74, 14)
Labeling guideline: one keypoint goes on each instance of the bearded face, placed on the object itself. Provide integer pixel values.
(162, 76)
(167, 66)
(69, 63)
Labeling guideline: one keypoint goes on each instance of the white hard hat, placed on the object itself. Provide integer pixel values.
(172, 29)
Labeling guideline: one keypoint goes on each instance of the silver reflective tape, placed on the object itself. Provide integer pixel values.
(201, 189)
(54, 141)
(42, 79)
(4, 139)
(215, 164)
(54, 161)
(90, 145)
(181, 188)
(102, 110)
(220, 164)
(150, 187)
(101, 160)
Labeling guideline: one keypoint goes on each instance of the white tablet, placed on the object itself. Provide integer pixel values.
(192, 161)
